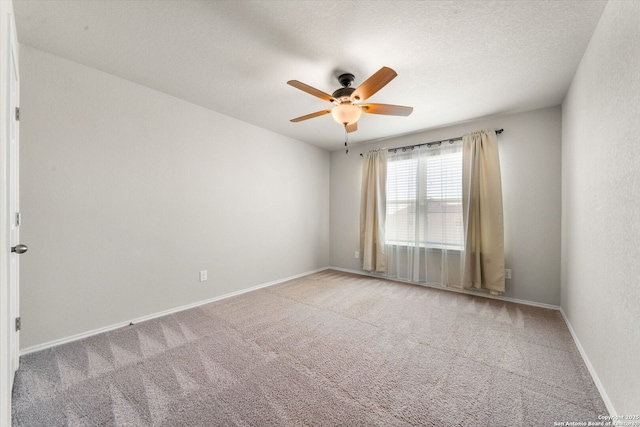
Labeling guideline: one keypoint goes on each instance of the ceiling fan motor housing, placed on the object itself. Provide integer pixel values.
(344, 93)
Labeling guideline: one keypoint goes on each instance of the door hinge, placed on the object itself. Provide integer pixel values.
(18, 113)
(18, 219)
(18, 324)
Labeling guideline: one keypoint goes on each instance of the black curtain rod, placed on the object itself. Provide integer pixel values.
(429, 144)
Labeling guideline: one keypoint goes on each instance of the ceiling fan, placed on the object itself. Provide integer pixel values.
(347, 100)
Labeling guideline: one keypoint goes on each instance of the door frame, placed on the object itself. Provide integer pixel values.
(13, 136)
(8, 347)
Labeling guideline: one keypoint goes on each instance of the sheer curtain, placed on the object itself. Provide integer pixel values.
(424, 222)
(483, 256)
(372, 212)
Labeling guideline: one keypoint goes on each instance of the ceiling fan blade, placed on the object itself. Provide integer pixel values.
(352, 127)
(373, 84)
(386, 109)
(310, 116)
(311, 90)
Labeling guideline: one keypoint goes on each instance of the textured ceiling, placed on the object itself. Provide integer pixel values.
(456, 60)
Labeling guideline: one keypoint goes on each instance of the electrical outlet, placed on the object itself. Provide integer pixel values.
(203, 276)
(507, 273)
(357, 255)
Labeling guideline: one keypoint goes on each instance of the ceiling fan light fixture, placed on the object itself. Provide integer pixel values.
(346, 114)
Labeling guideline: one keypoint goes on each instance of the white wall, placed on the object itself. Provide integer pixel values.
(127, 193)
(530, 164)
(601, 204)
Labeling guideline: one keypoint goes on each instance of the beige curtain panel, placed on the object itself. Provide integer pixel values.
(372, 211)
(483, 254)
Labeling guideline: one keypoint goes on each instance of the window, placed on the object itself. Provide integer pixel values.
(424, 198)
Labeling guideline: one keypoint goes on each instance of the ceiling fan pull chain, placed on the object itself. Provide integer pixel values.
(346, 138)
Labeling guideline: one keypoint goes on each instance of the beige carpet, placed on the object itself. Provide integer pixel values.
(329, 349)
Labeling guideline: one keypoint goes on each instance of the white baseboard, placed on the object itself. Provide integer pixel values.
(159, 314)
(461, 291)
(592, 371)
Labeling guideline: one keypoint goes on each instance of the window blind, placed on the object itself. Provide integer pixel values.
(424, 198)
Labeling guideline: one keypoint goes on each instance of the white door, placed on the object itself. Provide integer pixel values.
(14, 204)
